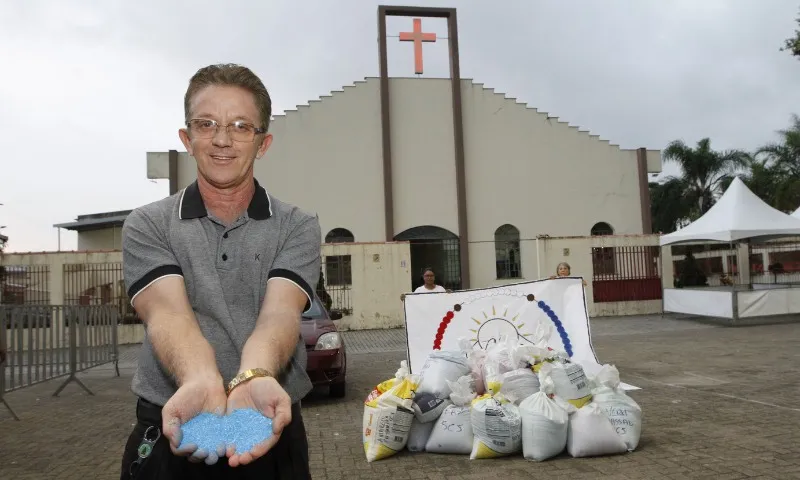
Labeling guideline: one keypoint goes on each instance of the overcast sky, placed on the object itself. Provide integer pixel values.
(88, 88)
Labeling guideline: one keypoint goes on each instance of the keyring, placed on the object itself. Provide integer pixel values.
(145, 448)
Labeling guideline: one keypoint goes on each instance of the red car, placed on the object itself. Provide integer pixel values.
(327, 359)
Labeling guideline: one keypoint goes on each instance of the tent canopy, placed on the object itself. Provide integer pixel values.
(739, 214)
(796, 213)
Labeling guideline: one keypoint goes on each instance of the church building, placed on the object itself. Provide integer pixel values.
(468, 175)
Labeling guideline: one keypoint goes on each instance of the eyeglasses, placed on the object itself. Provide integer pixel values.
(241, 131)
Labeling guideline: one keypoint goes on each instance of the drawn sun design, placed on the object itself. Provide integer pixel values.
(492, 327)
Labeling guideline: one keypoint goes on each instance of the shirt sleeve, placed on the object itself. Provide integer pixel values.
(298, 260)
(146, 256)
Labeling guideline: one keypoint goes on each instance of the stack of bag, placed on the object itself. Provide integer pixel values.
(502, 401)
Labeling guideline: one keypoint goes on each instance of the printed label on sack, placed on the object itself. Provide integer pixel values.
(392, 429)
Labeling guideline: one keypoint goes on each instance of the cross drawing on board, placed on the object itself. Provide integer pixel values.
(417, 36)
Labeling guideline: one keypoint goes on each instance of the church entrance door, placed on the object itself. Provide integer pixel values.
(437, 248)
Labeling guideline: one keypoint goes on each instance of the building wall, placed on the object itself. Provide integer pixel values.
(381, 272)
(103, 239)
(523, 167)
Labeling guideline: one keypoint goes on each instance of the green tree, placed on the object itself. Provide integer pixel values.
(704, 171)
(793, 44)
(669, 209)
(782, 158)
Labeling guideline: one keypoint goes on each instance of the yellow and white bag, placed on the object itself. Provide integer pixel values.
(387, 417)
(497, 426)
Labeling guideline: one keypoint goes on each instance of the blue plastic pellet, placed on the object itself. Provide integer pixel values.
(244, 429)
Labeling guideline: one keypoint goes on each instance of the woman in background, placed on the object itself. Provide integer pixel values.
(428, 284)
(563, 270)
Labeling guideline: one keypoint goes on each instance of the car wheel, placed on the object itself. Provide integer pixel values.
(337, 390)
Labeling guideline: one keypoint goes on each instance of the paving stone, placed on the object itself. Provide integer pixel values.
(718, 403)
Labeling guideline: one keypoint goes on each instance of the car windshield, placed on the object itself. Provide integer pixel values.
(314, 312)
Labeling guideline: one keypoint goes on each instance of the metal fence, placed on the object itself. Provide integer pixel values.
(25, 284)
(629, 273)
(44, 342)
(335, 284)
(98, 284)
(775, 263)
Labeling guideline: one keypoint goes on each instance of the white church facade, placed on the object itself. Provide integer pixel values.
(526, 174)
(467, 175)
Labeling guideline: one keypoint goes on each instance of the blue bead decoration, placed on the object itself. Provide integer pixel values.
(559, 326)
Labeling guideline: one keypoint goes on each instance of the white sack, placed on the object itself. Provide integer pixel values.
(570, 382)
(452, 432)
(591, 434)
(497, 427)
(623, 412)
(545, 424)
(418, 435)
(439, 367)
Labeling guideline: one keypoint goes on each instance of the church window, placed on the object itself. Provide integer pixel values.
(507, 252)
(338, 268)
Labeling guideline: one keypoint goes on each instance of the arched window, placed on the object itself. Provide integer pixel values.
(603, 258)
(602, 228)
(338, 268)
(507, 253)
(340, 235)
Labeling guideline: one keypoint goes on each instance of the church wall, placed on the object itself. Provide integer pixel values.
(522, 167)
(540, 175)
(423, 154)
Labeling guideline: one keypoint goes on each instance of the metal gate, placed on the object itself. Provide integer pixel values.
(443, 256)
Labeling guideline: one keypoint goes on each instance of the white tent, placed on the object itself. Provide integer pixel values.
(738, 215)
(796, 213)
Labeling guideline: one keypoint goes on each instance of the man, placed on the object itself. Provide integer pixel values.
(220, 274)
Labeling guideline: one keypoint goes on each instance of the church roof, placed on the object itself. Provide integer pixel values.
(513, 100)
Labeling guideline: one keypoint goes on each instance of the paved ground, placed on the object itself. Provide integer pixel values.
(718, 402)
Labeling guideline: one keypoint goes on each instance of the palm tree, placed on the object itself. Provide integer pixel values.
(669, 208)
(704, 171)
(783, 158)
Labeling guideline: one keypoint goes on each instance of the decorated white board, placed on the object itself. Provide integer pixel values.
(437, 321)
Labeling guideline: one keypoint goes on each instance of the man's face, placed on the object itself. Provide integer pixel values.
(222, 161)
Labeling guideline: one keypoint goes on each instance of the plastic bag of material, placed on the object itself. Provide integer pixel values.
(418, 435)
(428, 407)
(623, 412)
(382, 387)
(591, 434)
(476, 358)
(497, 427)
(569, 380)
(439, 367)
(527, 355)
(545, 422)
(498, 361)
(387, 419)
(462, 391)
(519, 384)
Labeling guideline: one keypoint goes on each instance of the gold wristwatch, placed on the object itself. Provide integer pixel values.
(246, 376)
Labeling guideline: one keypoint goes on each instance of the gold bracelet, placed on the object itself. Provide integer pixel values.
(246, 376)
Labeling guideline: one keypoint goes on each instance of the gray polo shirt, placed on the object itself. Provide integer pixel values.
(226, 269)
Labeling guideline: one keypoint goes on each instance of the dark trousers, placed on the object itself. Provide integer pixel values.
(288, 459)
